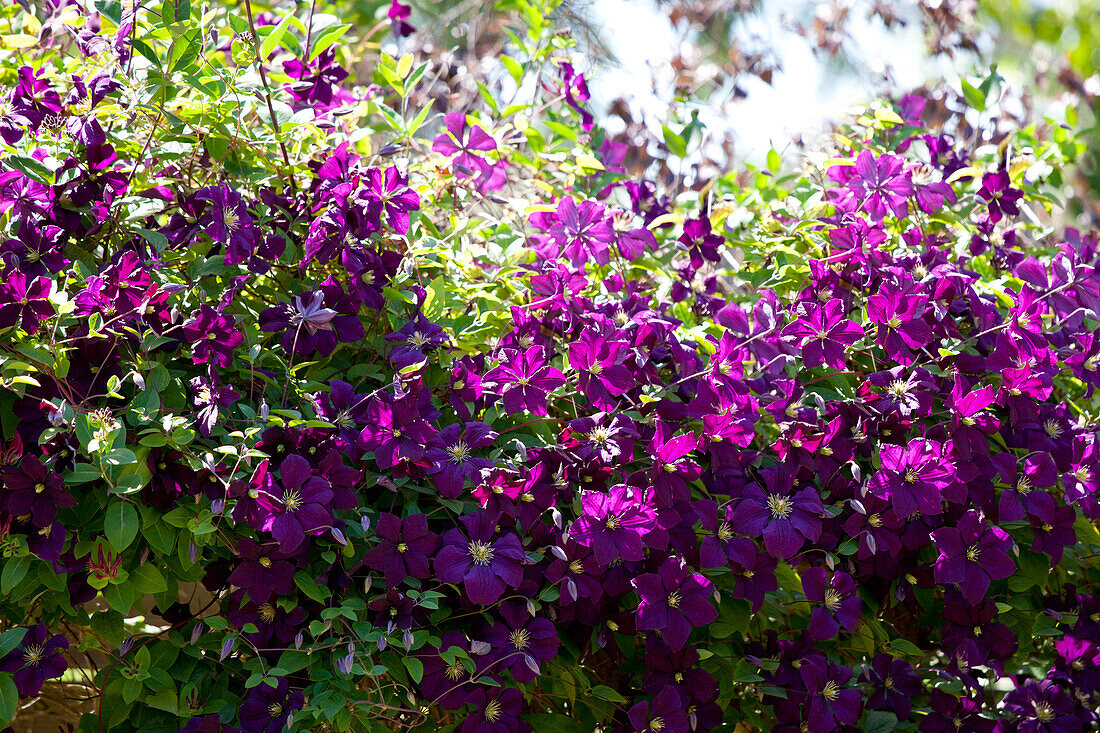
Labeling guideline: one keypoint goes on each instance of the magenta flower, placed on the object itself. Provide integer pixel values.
(583, 231)
(526, 378)
(673, 601)
(613, 524)
(463, 144)
(913, 477)
(999, 195)
(786, 518)
(873, 185)
(484, 562)
(227, 221)
(902, 327)
(452, 452)
(403, 549)
(24, 301)
(39, 657)
(302, 507)
(212, 336)
(599, 365)
(972, 554)
(822, 332)
(835, 603)
(396, 432)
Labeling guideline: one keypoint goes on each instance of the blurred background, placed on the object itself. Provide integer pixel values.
(738, 78)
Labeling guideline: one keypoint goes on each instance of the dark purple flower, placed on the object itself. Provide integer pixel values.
(972, 554)
(521, 642)
(213, 337)
(209, 396)
(31, 489)
(39, 657)
(496, 710)
(24, 301)
(822, 332)
(484, 562)
(403, 549)
(396, 432)
(264, 571)
(1040, 706)
(912, 478)
(835, 604)
(901, 326)
(227, 221)
(302, 507)
(666, 713)
(452, 452)
(830, 704)
(614, 524)
(1000, 197)
(895, 683)
(390, 192)
(952, 714)
(267, 709)
(524, 378)
(673, 601)
(784, 517)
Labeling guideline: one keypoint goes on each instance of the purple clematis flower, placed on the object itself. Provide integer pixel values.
(952, 714)
(912, 478)
(403, 549)
(895, 683)
(526, 378)
(213, 337)
(830, 704)
(822, 332)
(673, 601)
(484, 562)
(972, 554)
(614, 524)
(599, 364)
(873, 185)
(264, 571)
(1040, 706)
(522, 643)
(396, 432)
(901, 326)
(267, 709)
(784, 517)
(24, 301)
(666, 713)
(227, 221)
(999, 195)
(39, 657)
(835, 604)
(451, 450)
(302, 507)
(209, 397)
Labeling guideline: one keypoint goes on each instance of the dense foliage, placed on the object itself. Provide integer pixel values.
(327, 411)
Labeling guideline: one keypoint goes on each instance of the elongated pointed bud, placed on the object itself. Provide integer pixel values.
(227, 647)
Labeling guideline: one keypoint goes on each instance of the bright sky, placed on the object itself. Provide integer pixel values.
(799, 100)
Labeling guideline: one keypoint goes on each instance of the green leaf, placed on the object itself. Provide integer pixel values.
(148, 579)
(121, 524)
(275, 37)
(880, 721)
(906, 647)
(606, 693)
(15, 569)
(415, 667)
(11, 639)
(676, 143)
(974, 97)
(329, 37)
(119, 597)
(308, 586)
(9, 698)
